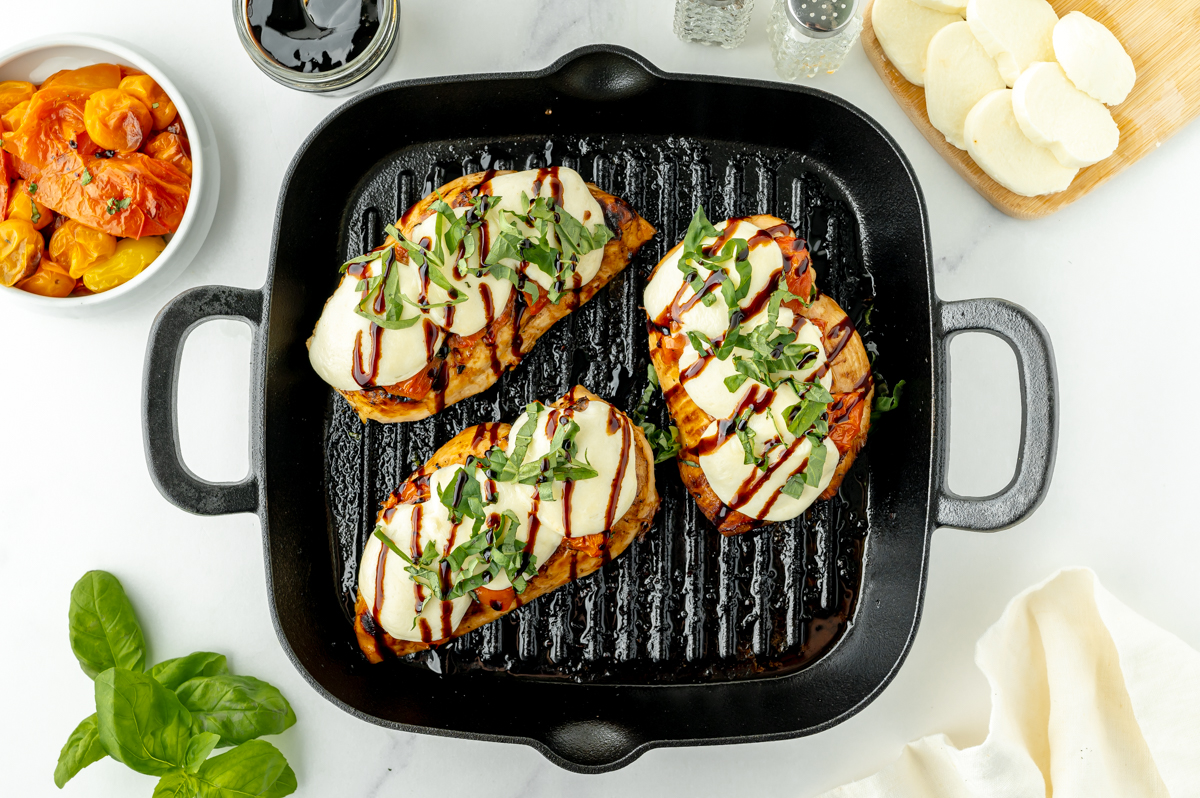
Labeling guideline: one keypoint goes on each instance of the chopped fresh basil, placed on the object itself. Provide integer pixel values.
(86, 178)
(885, 402)
(557, 257)
(664, 442)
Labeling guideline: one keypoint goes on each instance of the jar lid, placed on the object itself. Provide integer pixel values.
(820, 19)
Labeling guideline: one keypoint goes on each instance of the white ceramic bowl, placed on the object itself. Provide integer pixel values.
(35, 61)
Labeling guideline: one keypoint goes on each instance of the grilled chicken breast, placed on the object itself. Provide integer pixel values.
(448, 352)
(575, 529)
(834, 357)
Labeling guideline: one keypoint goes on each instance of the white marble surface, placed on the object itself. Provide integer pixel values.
(1112, 277)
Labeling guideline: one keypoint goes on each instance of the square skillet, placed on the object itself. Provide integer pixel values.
(688, 638)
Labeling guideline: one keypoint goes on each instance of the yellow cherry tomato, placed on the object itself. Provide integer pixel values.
(23, 204)
(50, 279)
(145, 89)
(12, 118)
(77, 247)
(85, 80)
(13, 93)
(116, 120)
(21, 249)
(131, 257)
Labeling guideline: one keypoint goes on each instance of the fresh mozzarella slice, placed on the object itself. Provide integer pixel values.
(572, 192)
(344, 342)
(486, 296)
(996, 143)
(1077, 128)
(512, 496)
(758, 492)
(668, 298)
(904, 29)
(408, 610)
(958, 74)
(958, 7)
(1093, 58)
(605, 440)
(1014, 32)
(705, 381)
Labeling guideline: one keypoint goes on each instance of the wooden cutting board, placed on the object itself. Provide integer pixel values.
(1163, 39)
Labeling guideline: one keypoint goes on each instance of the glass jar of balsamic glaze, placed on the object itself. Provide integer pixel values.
(330, 46)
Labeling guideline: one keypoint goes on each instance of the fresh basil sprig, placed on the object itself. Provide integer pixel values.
(167, 721)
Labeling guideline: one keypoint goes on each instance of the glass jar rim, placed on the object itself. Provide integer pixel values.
(330, 80)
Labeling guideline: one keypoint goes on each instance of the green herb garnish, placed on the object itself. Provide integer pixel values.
(115, 205)
(87, 177)
(166, 721)
(664, 442)
(885, 402)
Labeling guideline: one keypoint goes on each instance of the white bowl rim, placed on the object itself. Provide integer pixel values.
(137, 59)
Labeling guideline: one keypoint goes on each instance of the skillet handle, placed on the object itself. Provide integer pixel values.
(1039, 413)
(160, 383)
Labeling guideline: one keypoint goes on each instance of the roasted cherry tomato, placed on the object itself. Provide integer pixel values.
(78, 247)
(23, 204)
(417, 386)
(6, 182)
(50, 279)
(127, 195)
(21, 249)
(116, 120)
(11, 119)
(13, 93)
(52, 121)
(145, 89)
(82, 82)
(169, 147)
(497, 600)
(131, 257)
(591, 545)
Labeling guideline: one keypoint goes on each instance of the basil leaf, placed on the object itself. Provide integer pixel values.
(238, 708)
(885, 403)
(140, 722)
(81, 749)
(171, 673)
(794, 487)
(176, 785)
(104, 630)
(803, 415)
(734, 381)
(816, 464)
(252, 770)
(199, 747)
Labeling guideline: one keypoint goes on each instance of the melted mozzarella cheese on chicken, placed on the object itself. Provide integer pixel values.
(345, 340)
(409, 610)
(573, 195)
(705, 381)
(486, 295)
(758, 492)
(605, 440)
(668, 298)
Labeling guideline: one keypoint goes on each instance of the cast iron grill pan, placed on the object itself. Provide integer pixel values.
(687, 638)
(685, 603)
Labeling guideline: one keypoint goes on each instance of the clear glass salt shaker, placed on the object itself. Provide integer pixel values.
(722, 22)
(811, 36)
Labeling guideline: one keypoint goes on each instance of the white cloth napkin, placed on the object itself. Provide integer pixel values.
(1089, 700)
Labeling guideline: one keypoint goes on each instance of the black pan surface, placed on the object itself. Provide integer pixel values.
(689, 637)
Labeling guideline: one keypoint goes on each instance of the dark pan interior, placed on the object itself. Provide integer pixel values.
(688, 637)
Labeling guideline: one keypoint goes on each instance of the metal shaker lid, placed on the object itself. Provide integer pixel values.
(820, 19)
